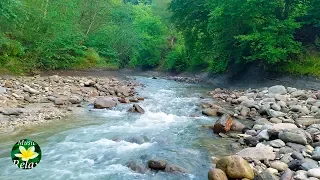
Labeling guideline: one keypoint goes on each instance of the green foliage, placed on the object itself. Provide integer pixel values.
(177, 60)
(309, 64)
(219, 32)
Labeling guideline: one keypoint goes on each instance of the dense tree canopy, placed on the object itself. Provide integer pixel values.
(173, 35)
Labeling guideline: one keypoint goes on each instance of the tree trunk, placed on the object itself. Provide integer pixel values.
(89, 28)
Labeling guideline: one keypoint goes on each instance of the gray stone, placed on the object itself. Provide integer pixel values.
(275, 120)
(308, 164)
(291, 90)
(285, 150)
(287, 175)
(296, 147)
(314, 172)
(75, 99)
(274, 113)
(296, 136)
(286, 158)
(2, 90)
(102, 103)
(301, 175)
(263, 135)
(278, 89)
(294, 165)
(315, 109)
(316, 153)
(278, 165)
(297, 93)
(296, 108)
(157, 164)
(265, 175)
(12, 111)
(172, 168)
(307, 121)
(278, 143)
(297, 155)
(257, 153)
(137, 167)
(276, 107)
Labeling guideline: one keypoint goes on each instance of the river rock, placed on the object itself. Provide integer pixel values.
(316, 153)
(287, 175)
(102, 103)
(278, 143)
(157, 164)
(2, 90)
(210, 112)
(307, 121)
(297, 93)
(274, 113)
(314, 172)
(294, 165)
(172, 168)
(301, 175)
(137, 109)
(307, 164)
(237, 126)
(60, 101)
(278, 89)
(276, 107)
(75, 99)
(278, 165)
(137, 167)
(275, 120)
(123, 100)
(223, 124)
(235, 167)
(257, 153)
(297, 155)
(285, 150)
(296, 136)
(12, 111)
(30, 90)
(251, 141)
(263, 135)
(217, 174)
(265, 175)
(123, 90)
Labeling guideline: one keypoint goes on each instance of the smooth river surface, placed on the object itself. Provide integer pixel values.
(84, 147)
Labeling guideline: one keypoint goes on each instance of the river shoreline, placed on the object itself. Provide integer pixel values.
(28, 101)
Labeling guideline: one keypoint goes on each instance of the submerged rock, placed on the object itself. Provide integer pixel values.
(172, 168)
(137, 167)
(157, 164)
(136, 109)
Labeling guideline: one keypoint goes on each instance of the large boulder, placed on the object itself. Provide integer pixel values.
(217, 174)
(102, 103)
(257, 153)
(235, 167)
(157, 164)
(223, 124)
(296, 136)
(278, 89)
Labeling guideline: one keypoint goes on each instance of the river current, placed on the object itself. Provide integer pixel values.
(98, 144)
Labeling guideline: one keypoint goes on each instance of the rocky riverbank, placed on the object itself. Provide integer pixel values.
(28, 101)
(284, 141)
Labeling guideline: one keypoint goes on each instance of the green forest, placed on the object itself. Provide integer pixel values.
(165, 35)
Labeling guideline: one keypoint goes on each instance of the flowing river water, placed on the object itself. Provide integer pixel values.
(84, 147)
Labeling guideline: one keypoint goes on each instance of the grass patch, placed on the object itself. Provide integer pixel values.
(309, 64)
